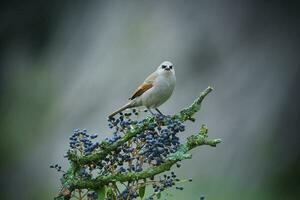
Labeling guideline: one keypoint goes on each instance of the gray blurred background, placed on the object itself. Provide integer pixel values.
(67, 64)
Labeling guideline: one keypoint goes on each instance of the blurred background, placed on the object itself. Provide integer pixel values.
(67, 64)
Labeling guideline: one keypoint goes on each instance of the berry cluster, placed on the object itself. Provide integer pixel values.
(82, 141)
(147, 149)
(160, 142)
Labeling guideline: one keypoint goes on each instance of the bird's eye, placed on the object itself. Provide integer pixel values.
(163, 66)
(171, 66)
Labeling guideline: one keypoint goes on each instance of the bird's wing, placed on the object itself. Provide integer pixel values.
(148, 83)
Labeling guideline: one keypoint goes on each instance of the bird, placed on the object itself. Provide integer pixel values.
(156, 89)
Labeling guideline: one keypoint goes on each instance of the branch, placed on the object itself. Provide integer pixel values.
(187, 113)
(181, 154)
(184, 115)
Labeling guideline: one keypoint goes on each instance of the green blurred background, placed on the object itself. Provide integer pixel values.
(67, 64)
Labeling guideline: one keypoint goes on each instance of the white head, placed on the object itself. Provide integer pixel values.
(166, 68)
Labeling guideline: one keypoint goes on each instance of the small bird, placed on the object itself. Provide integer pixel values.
(156, 89)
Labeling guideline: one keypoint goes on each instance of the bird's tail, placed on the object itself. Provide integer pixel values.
(130, 104)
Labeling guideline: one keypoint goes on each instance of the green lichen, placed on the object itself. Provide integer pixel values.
(180, 154)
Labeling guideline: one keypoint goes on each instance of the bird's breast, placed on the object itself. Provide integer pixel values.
(159, 93)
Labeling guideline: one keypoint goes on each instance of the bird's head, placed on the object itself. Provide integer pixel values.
(166, 67)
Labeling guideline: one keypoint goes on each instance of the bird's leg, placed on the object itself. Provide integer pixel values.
(159, 112)
(151, 111)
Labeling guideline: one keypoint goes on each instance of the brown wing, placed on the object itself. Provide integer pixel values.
(143, 88)
(148, 83)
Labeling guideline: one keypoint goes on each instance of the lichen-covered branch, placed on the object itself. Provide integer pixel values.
(181, 154)
(185, 114)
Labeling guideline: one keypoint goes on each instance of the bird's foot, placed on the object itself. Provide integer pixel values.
(152, 113)
(160, 113)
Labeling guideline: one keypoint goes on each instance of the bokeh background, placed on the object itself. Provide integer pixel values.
(67, 64)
